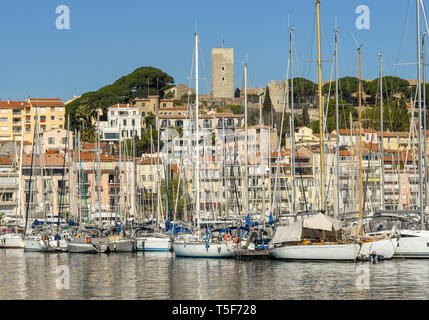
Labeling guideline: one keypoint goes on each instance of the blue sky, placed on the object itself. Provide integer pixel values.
(109, 39)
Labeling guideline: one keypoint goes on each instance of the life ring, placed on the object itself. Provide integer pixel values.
(227, 237)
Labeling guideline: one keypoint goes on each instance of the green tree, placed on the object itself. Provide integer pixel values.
(267, 107)
(141, 82)
(303, 90)
(237, 93)
(305, 117)
(395, 117)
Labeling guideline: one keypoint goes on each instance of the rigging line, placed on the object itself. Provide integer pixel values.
(280, 138)
(311, 50)
(204, 67)
(366, 182)
(403, 33)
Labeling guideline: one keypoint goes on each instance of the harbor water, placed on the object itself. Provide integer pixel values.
(161, 276)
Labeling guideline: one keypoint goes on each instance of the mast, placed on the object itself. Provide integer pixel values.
(98, 169)
(246, 175)
(197, 148)
(337, 150)
(292, 125)
(424, 119)
(420, 114)
(360, 147)
(319, 70)
(31, 171)
(381, 130)
(18, 213)
(119, 197)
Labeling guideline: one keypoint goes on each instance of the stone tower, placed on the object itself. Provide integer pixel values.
(223, 73)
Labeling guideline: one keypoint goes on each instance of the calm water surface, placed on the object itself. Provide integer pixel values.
(26, 275)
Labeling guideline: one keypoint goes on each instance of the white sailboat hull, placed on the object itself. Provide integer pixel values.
(11, 241)
(384, 247)
(122, 246)
(82, 248)
(340, 252)
(199, 250)
(35, 245)
(415, 245)
(153, 244)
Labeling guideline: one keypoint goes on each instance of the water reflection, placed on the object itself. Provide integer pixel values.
(160, 275)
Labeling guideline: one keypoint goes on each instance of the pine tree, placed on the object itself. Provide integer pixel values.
(305, 117)
(267, 101)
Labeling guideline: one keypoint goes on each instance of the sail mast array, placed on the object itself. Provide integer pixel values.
(419, 101)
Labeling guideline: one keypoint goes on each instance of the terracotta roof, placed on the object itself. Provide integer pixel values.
(31, 102)
(54, 160)
(93, 146)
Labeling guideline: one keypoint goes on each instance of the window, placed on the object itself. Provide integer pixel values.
(64, 140)
(42, 118)
(52, 118)
(143, 105)
(164, 105)
(125, 122)
(4, 128)
(143, 114)
(51, 140)
(60, 109)
(3, 111)
(42, 110)
(112, 113)
(223, 68)
(52, 109)
(61, 126)
(3, 119)
(133, 122)
(223, 78)
(60, 118)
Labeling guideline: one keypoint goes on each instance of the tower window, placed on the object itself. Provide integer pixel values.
(223, 68)
(223, 78)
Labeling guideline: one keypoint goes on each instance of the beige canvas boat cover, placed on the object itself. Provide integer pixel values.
(288, 233)
(322, 222)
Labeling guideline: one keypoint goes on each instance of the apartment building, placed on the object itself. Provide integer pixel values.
(123, 122)
(48, 113)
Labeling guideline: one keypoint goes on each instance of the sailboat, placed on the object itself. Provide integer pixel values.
(118, 242)
(382, 246)
(319, 237)
(202, 244)
(150, 238)
(415, 243)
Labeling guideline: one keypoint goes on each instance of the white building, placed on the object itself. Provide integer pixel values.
(124, 120)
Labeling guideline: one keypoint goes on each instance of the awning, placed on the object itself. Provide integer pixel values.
(287, 233)
(322, 222)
